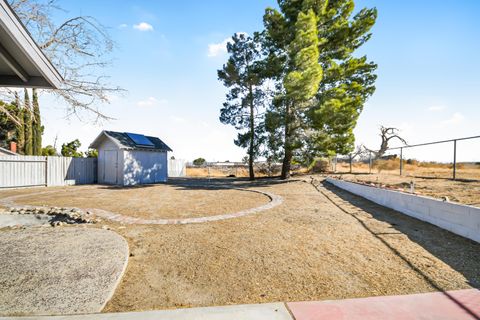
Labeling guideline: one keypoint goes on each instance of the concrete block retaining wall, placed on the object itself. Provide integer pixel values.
(460, 219)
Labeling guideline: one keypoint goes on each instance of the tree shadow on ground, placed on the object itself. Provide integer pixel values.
(222, 183)
(119, 187)
(194, 183)
(461, 254)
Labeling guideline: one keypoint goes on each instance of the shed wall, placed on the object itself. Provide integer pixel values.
(143, 167)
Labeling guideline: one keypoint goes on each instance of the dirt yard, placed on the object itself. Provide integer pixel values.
(466, 192)
(318, 244)
(150, 201)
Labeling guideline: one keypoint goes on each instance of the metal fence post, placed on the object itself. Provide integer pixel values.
(401, 161)
(370, 162)
(454, 159)
(46, 171)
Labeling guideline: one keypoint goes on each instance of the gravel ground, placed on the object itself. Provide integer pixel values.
(466, 192)
(59, 271)
(318, 244)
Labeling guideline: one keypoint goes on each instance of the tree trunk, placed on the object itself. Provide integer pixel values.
(287, 159)
(252, 137)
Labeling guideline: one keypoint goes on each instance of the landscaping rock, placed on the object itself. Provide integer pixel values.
(60, 216)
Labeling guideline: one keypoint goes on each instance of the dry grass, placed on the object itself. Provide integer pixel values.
(416, 169)
(308, 248)
(466, 192)
(412, 168)
(219, 172)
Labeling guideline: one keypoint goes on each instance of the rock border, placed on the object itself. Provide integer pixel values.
(275, 200)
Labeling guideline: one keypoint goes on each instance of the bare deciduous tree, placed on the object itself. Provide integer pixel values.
(79, 47)
(387, 134)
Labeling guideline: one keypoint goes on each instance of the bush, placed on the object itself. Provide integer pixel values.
(199, 162)
(386, 165)
(319, 165)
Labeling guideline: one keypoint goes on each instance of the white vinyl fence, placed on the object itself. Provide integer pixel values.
(176, 168)
(30, 171)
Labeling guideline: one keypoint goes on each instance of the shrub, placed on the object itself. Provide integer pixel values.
(319, 165)
(386, 165)
(199, 162)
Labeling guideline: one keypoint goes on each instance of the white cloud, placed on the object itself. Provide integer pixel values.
(150, 102)
(436, 108)
(216, 49)
(143, 26)
(456, 118)
(123, 26)
(178, 119)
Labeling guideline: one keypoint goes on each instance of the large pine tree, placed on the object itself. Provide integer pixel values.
(241, 74)
(27, 120)
(37, 129)
(322, 123)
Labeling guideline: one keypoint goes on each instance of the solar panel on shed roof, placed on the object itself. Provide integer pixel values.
(140, 139)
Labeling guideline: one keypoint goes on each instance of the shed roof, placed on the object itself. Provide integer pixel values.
(125, 142)
(22, 62)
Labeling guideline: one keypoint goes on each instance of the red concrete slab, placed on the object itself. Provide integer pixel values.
(456, 305)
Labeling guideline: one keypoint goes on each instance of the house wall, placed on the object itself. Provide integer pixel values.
(142, 167)
(109, 145)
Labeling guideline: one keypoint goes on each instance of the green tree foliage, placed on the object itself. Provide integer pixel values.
(70, 149)
(19, 126)
(316, 108)
(244, 100)
(49, 151)
(37, 128)
(27, 124)
(199, 162)
(7, 126)
(91, 153)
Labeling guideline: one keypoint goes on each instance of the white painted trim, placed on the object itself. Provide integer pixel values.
(457, 218)
(24, 42)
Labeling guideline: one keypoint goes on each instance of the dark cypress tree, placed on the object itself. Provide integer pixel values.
(27, 122)
(19, 129)
(37, 129)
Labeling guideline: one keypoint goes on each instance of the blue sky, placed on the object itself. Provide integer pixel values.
(168, 53)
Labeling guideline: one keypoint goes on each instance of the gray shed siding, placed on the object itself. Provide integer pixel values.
(132, 166)
(143, 167)
(109, 145)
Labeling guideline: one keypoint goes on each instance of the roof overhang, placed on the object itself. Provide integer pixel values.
(99, 139)
(22, 62)
(7, 152)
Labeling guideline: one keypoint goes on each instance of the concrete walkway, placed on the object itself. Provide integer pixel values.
(47, 271)
(452, 305)
(26, 220)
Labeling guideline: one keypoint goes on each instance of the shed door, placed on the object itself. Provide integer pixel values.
(110, 169)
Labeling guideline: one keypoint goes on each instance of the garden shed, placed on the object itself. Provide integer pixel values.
(130, 158)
